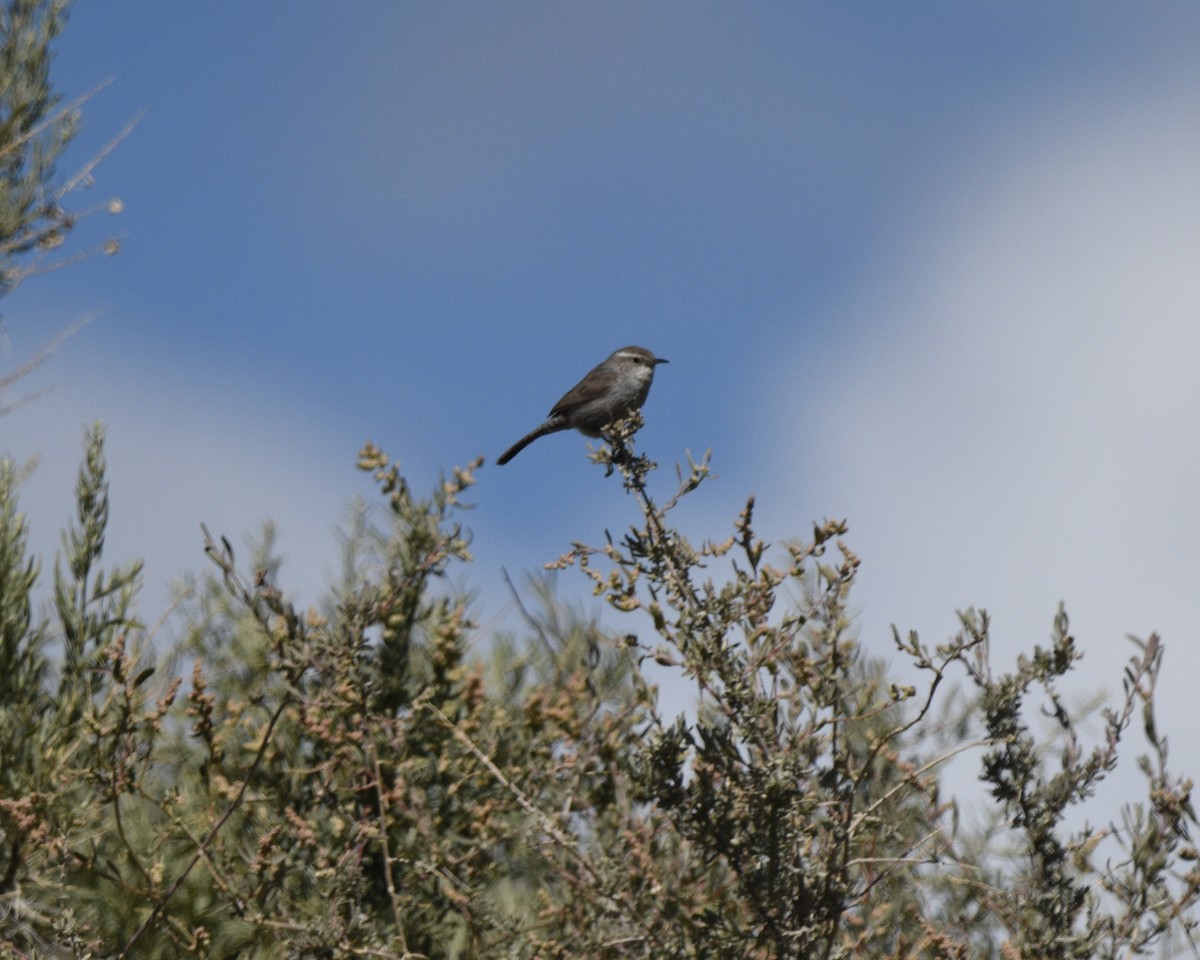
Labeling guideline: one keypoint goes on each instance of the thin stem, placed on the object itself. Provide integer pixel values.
(387, 853)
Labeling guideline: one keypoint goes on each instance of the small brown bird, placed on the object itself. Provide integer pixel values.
(612, 390)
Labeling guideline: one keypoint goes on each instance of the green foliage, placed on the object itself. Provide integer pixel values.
(36, 128)
(1055, 907)
(22, 669)
(378, 778)
(92, 608)
(33, 133)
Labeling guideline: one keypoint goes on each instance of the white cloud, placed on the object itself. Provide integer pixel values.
(179, 454)
(1019, 422)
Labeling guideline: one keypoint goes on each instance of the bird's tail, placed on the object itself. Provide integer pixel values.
(552, 425)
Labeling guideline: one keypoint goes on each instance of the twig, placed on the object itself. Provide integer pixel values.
(547, 824)
(85, 171)
(387, 853)
(54, 118)
(41, 355)
(907, 781)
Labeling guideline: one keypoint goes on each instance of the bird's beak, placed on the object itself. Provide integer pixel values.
(658, 360)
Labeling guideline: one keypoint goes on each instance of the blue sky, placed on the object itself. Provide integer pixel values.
(929, 266)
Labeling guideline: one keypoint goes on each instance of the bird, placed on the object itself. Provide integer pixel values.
(612, 390)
